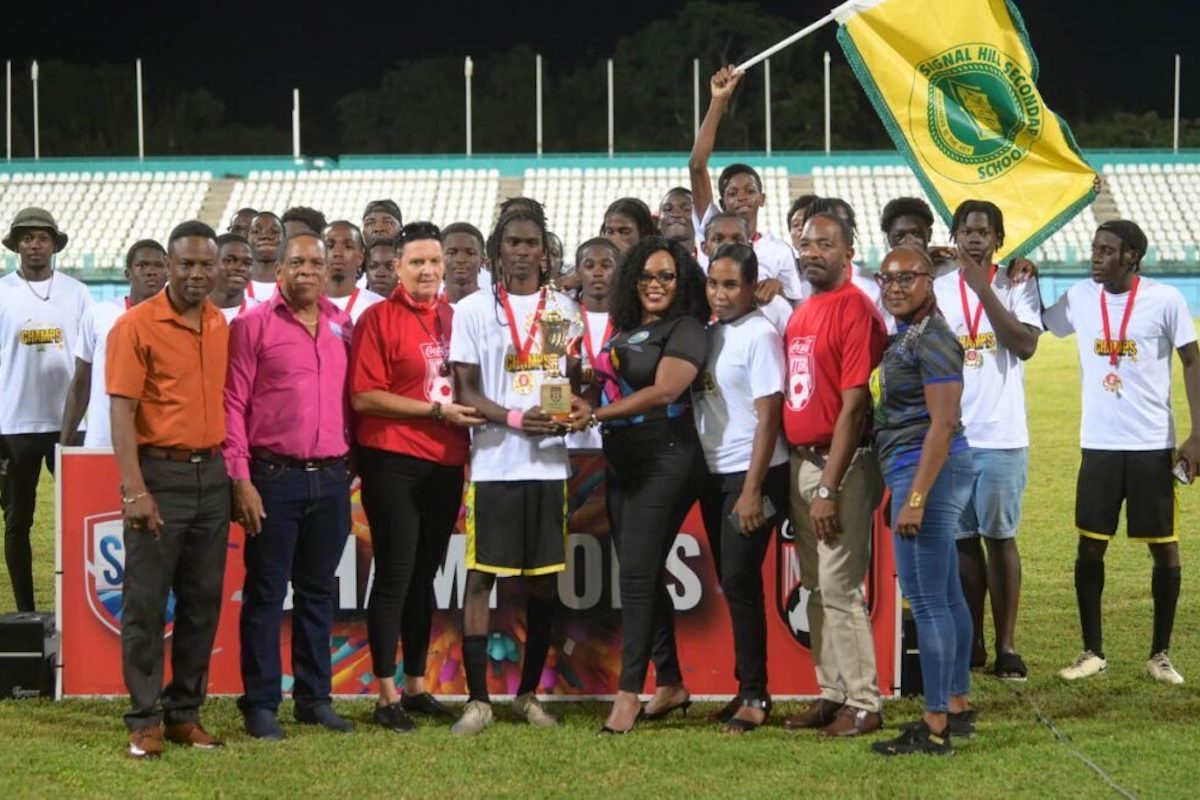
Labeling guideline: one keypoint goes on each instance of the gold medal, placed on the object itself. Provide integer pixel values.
(973, 358)
(1112, 383)
(523, 383)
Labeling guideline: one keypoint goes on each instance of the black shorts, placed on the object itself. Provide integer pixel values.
(1141, 479)
(517, 527)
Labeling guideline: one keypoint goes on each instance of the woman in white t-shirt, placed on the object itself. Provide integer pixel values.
(739, 406)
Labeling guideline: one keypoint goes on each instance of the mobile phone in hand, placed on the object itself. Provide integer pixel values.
(768, 511)
(1180, 472)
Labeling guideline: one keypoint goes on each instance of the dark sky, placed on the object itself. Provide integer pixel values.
(251, 54)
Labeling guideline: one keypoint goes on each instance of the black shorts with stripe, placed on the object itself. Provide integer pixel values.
(517, 527)
(1142, 480)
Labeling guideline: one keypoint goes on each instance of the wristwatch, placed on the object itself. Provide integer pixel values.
(825, 493)
(916, 500)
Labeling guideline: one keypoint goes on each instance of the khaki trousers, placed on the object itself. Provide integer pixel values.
(833, 572)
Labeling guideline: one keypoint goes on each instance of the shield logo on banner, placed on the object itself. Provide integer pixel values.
(791, 597)
(104, 570)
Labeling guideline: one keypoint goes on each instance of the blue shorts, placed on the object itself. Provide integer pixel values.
(994, 510)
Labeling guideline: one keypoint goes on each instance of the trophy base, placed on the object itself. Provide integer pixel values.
(556, 400)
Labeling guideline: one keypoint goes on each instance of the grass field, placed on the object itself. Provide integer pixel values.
(1142, 734)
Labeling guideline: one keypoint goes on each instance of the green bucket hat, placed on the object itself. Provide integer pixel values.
(38, 218)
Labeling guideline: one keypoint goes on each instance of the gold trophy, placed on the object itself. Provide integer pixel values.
(556, 389)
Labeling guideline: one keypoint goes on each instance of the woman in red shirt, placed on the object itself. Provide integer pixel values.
(413, 443)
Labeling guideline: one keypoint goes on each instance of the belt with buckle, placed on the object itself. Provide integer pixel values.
(179, 454)
(287, 462)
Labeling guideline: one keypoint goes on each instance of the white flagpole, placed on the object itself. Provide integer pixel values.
(795, 37)
(1176, 136)
(538, 63)
(695, 97)
(610, 108)
(767, 102)
(296, 124)
(827, 105)
(140, 122)
(8, 110)
(468, 73)
(37, 145)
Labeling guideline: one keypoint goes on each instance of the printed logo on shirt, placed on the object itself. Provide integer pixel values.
(438, 388)
(801, 375)
(639, 337)
(41, 338)
(984, 341)
(1125, 348)
(535, 362)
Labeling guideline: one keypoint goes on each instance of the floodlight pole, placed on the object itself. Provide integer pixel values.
(767, 102)
(1175, 139)
(828, 143)
(695, 97)
(37, 145)
(610, 108)
(8, 110)
(468, 73)
(140, 118)
(538, 82)
(296, 124)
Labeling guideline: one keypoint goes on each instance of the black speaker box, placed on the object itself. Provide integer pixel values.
(28, 652)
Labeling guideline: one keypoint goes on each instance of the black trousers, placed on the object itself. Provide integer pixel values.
(739, 560)
(655, 471)
(18, 498)
(189, 558)
(411, 505)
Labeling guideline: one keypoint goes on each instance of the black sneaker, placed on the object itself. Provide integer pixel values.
(425, 703)
(961, 724)
(916, 739)
(394, 718)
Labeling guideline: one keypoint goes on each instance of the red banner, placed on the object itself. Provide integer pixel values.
(584, 659)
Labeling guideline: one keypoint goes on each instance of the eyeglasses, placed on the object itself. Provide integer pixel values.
(905, 279)
(662, 278)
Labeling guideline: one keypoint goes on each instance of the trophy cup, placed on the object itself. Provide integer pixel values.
(556, 389)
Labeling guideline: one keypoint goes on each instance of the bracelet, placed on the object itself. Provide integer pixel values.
(515, 418)
(131, 500)
(436, 412)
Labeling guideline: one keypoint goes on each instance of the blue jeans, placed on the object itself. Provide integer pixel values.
(302, 538)
(928, 567)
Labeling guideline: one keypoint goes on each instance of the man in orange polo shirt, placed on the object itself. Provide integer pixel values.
(165, 374)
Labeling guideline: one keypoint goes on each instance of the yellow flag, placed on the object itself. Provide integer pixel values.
(955, 83)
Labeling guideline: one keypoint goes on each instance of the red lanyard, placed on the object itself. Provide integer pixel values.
(1114, 348)
(250, 288)
(587, 337)
(522, 350)
(972, 323)
(351, 301)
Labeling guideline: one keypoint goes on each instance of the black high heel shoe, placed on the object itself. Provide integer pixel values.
(735, 725)
(661, 715)
(726, 712)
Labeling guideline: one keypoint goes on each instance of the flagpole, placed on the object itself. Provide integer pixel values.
(795, 37)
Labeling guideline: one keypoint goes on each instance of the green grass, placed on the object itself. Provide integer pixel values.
(1143, 734)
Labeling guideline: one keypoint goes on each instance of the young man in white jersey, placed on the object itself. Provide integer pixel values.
(146, 272)
(40, 311)
(344, 243)
(516, 521)
(997, 322)
(266, 240)
(234, 262)
(740, 191)
(596, 263)
(1127, 327)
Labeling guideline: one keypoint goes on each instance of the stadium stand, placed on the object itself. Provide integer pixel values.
(1165, 200)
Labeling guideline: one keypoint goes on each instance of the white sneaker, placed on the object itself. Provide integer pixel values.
(1160, 668)
(1085, 665)
(475, 717)
(529, 708)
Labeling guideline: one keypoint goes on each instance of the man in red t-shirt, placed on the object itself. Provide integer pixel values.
(834, 340)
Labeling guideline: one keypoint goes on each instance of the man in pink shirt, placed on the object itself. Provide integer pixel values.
(288, 420)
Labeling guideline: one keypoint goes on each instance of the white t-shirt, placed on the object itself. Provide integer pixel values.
(745, 363)
(262, 291)
(778, 312)
(1137, 416)
(356, 302)
(597, 326)
(92, 346)
(37, 349)
(775, 258)
(482, 336)
(233, 312)
(993, 400)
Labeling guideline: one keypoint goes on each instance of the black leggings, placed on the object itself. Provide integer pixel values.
(18, 498)
(655, 471)
(739, 561)
(411, 505)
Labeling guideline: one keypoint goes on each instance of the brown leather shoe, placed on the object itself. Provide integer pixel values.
(146, 742)
(190, 734)
(852, 721)
(817, 715)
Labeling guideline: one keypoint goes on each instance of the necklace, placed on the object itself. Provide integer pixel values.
(49, 288)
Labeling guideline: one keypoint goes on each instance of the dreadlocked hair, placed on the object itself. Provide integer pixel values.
(519, 212)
